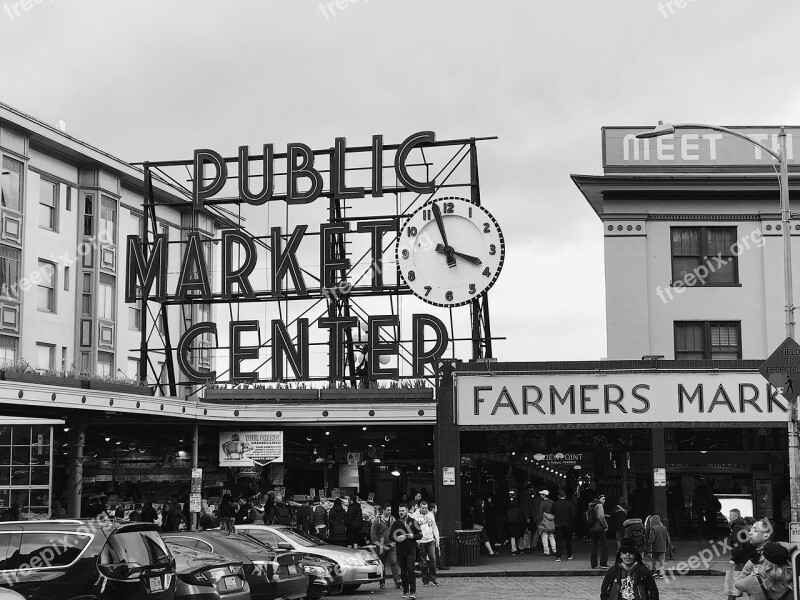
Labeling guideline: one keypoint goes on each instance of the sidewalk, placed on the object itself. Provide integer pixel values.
(697, 557)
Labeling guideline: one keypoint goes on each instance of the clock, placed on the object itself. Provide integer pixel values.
(450, 251)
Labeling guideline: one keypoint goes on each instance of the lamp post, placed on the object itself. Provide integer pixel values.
(786, 218)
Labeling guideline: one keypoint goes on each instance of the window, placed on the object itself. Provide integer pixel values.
(143, 547)
(86, 295)
(69, 199)
(86, 361)
(11, 184)
(52, 550)
(63, 358)
(88, 215)
(135, 317)
(48, 201)
(710, 247)
(105, 364)
(47, 287)
(8, 349)
(108, 218)
(105, 297)
(9, 271)
(45, 356)
(717, 340)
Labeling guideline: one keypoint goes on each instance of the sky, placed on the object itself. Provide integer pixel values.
(151, 80)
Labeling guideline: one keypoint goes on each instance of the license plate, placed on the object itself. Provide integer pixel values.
(292, 570)
(231, 583)
(155, 584)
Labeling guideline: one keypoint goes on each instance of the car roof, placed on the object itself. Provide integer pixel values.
(224, 539)
(192, 559)
(108, 526)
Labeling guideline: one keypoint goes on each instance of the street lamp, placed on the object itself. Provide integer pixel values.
(786, 218)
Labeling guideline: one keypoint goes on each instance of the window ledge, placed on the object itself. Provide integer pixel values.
(707, 285)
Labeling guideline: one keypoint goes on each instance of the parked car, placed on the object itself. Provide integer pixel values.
(357, 567)
(80, 559)
(10, 595)
(207, 576)
(271, 574)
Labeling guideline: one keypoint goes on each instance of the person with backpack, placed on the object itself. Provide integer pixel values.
(379, 537)
(319, 519)
(634, 529)
(629, 578)
(598, 526)
(546, 522)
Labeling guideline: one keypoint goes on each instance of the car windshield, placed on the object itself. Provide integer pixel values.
(302, 538)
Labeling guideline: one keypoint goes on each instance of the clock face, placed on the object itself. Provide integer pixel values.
(450, 251)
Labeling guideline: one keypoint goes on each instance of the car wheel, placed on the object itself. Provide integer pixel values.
(349, 589)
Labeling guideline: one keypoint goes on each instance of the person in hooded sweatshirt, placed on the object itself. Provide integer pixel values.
(659, 544)
(629, 578)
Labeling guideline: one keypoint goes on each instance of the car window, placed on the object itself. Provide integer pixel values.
(142, 547)
(43, 549)
(205, 546)
(9, 550)
(302, 538)
(186, 542)
(262, 535)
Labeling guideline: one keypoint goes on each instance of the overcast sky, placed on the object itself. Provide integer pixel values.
(151, 80)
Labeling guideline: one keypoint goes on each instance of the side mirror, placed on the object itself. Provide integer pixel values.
(285, 546)
(122, 571)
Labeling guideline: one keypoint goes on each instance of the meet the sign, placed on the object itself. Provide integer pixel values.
(250, 448)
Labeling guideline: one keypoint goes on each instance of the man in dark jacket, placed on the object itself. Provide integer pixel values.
(303, 516)
(564, 512)
(406, 532)
(280, 513)
(629, 577)
(148, 514)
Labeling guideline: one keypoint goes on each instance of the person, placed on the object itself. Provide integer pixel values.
(354, 521)
(405, 532)
(304, 516)
(629, 578)
(545, 521)
(674, 509)
(659, 545)
(478, 522)
(428, 544)
(119, 511)
(280, 513)
(704, 508)
(58, 512)
(618, 519)
(319, 519)
(148, 514)
(515, 521)
(243, 512)
(761, 533)
(379, 537)
(12, 513)
(596, 519)
(171, 517)
(634, 529)
(772, 577)
(227, 508)
(738, 537)
(136, 514)
(337, 519)
(564, 512)
(206, 517)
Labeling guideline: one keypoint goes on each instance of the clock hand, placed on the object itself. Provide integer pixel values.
(470, 259)
(448, 250)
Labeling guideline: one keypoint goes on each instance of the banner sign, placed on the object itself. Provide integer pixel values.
(580, 398)
(696, 148)
(250, 448)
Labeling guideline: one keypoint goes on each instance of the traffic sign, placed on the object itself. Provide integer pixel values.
(782, 369)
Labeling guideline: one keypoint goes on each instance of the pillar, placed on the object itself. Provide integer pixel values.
(77, 440)
(447, 453)
(659, 461)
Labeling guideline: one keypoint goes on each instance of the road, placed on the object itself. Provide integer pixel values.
(540, 588)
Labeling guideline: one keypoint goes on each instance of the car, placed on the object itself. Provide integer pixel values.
(271, 574)
(357, 567)
(207, 576)
(79, 559)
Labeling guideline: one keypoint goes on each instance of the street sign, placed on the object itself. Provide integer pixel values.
(794, 533)
(448, 475)
(659, 477)
(782, 369)
(795, 573)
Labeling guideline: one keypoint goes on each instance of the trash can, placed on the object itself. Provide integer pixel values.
(441, 554)
(468, 542)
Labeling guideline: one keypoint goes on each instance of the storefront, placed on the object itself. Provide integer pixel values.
(659, 437)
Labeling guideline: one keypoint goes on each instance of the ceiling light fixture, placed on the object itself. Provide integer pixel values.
(396, 471)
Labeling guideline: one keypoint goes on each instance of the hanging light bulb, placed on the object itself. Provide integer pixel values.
(396, 471)
(315, 450)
